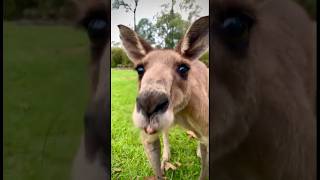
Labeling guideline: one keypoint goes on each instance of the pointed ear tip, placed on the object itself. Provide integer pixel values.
(205, 18)
(120, 26)
(202, 19)
(124, 28)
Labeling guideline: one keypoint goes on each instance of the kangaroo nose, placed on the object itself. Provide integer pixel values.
(151, 103)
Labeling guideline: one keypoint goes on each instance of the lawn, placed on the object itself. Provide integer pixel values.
(128, 158)
(45, 95)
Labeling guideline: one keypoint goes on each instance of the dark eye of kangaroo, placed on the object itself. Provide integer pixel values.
(97, 28)
(183, 70)
(140, 70)
(235, 30)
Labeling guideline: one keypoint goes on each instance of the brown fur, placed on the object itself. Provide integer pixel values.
(92, 160)
(188, 95)
(262, 99)
(189, 98)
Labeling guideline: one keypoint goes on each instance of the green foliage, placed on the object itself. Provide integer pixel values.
(205, 58)
(146, 30)
(170, 27)
(119, 58)
(39, 9)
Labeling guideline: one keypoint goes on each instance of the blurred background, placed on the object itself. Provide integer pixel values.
(39, 10)
(46, 86)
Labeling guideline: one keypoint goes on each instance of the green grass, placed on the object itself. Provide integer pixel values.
(128, 158)
(45, 95)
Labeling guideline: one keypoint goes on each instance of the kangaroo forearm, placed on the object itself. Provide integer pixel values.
(153, 151)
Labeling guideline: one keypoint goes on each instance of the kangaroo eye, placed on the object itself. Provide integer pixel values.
(97, 24)
(235, 27)
(140, 69)
(235, 30)
(183, 69)
(97, 28)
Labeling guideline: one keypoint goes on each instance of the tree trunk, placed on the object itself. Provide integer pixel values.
(134, 20)
(172, 4)
(134, 14)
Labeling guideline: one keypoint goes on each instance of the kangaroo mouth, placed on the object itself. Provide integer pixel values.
(150, 130)
(155, 123)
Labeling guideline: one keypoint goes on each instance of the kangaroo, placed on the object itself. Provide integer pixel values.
(262, 91)
(173, 88)
(92, 161)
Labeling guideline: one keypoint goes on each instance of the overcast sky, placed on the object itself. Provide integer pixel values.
(146, 9)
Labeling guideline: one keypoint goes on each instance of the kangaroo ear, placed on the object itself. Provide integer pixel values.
(196, 40)
(134, 45)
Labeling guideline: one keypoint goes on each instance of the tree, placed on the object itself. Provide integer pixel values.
(191, 7)
(170, 29)
(117, 4)
(146, 30)
(170, 26)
